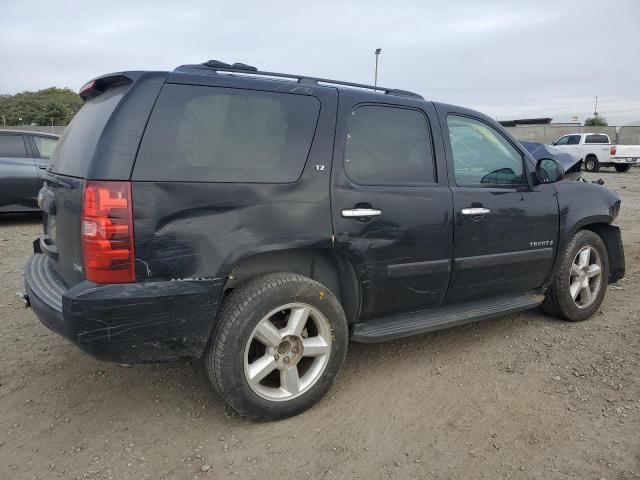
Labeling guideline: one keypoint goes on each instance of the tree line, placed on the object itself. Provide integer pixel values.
(52, 105)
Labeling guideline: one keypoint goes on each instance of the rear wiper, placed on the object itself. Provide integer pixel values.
(56, 180)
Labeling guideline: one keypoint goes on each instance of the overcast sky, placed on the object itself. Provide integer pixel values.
(509, 59)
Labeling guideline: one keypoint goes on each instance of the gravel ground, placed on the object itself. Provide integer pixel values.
(522, 397)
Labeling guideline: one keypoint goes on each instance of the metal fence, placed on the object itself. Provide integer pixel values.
(36, 128)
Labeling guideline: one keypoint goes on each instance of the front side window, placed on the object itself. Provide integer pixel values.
(574, 140)
(211, 134)
(596, 139)
(562, 140)
(481, 155)
(12, 146)
(45, 146)
(388, 146)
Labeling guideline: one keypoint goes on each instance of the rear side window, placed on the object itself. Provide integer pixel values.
(211, 134)
(596, 139)
(12, 146)
(45, 146)
(388, 145)
(78, 142)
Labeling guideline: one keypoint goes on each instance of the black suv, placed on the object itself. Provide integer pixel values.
(262, 220)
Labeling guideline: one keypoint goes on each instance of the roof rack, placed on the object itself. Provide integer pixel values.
(217, 66)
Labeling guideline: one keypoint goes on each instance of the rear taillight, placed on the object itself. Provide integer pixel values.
(613, 150)
(107, 232)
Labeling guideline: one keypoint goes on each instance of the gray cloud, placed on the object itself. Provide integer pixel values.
(508, 59)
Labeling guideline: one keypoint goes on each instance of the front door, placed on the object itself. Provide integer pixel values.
(505, 230)
(391, 204)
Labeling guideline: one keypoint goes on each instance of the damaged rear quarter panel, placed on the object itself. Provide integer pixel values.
(200, 230)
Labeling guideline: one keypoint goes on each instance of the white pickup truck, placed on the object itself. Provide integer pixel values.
(595, 150)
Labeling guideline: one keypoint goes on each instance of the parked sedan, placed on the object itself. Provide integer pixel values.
(23, 159)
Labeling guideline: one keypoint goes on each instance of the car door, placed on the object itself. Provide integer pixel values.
(505, 229)
(42, 148)
(597, 144)
(391, 204)
(570, 144)
(19, 182)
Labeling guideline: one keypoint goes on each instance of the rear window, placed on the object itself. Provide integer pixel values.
(596, 139)
(211, 134)
(78, 142)
(12, 146)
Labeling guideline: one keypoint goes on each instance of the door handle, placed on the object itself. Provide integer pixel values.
(42, 167)
(361, 212)
(475, 211)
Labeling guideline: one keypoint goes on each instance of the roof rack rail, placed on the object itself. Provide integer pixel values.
(218, 66)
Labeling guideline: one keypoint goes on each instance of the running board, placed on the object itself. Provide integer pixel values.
(390, 328)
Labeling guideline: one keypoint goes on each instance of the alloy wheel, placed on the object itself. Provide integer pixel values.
(585, 277)
(287, 352)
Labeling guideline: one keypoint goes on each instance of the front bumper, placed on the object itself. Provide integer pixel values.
(133, 323)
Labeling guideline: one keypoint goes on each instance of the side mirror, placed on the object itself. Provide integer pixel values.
(549, 170)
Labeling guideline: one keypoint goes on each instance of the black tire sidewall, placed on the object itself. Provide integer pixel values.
(229, 350)
(563, 302)
(623, 168)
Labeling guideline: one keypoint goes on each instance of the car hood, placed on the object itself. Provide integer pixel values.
(570, 164)
(540, 150)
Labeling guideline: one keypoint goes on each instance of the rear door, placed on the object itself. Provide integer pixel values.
(505, 230)
(599, 145)
(19, 182)
(42, 148)
(391, 204)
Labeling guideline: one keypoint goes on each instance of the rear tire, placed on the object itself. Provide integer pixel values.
(622, 168)
(581, 281)
(591, 164)
(279, 343)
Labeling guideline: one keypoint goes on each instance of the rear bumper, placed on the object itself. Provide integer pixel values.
(626, 160)
(134, 323)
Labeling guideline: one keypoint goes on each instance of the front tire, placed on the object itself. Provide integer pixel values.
(580, 283)
(591, 164)
(279, 343)
(622, 167)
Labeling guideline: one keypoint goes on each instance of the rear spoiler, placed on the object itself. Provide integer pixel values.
(100, 85)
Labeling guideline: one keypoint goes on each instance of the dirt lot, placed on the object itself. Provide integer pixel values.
(522, 397)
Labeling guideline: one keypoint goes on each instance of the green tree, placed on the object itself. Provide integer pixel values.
(57, 105)
(596, 121)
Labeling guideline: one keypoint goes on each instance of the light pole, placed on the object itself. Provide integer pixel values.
(375, 78)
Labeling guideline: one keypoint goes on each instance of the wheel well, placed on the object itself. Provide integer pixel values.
(615, 252)
(328, 267)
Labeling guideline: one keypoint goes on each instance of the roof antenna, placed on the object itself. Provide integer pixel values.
(375, 78)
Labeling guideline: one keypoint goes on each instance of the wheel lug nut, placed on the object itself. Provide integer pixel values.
(276, 357)
(286, 359)
(294, 349)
